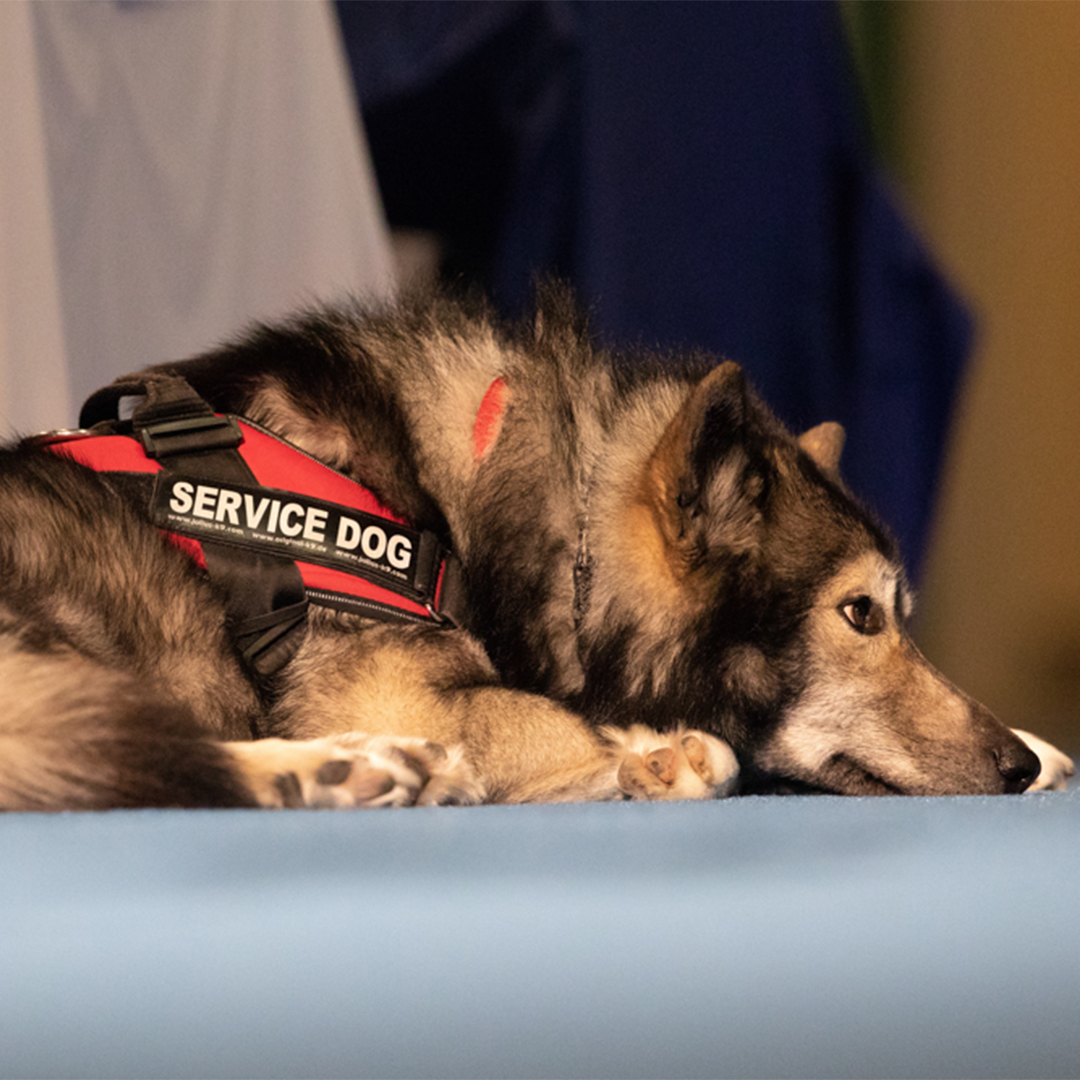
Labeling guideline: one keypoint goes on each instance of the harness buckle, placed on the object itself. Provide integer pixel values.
(163, 438)
(267, 642)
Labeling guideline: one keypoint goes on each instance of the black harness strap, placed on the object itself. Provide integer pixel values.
(266, 610)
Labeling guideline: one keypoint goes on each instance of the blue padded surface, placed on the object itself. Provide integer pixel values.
(754, 937)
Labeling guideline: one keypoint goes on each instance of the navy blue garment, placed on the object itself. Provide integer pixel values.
(699, 172)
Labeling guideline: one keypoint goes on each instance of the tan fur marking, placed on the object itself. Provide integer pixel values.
(460, 373)
(824, 444)
(660, 565)
(669, 462)
(274, 409)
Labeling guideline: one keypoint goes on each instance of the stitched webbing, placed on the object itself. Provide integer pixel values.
(266, 602)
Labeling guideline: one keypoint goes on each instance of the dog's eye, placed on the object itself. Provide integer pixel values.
(864, 615)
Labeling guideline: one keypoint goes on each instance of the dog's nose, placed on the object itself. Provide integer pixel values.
(1018, 766)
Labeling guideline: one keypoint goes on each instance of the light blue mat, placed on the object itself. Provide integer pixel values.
(754, 937)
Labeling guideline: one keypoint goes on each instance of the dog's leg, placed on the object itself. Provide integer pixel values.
(362, 709)
(548, 755)
(514, 747)
(530, 749)
(355, 770)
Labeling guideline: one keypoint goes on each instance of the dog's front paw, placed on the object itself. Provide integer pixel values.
(355, 770)
(677, 765)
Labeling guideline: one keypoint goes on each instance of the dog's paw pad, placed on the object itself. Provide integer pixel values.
(677, 765)
(697, 755)
(637, 781)
(663, 763)
(286, 787)
(349, 782)
(356, 771)
(335, 771)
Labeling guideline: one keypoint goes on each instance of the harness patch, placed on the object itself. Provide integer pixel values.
(224, 490)
(294, 526)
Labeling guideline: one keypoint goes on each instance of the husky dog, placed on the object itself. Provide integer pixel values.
(665, 594)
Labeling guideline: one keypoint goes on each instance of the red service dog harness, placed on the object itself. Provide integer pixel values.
(275, 528)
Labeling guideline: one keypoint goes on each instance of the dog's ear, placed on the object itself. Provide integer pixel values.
(685, 472)
(824, 444)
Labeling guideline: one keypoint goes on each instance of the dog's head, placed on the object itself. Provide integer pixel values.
(758, 600)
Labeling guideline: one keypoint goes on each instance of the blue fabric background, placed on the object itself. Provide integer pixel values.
(755, 937)
(700, 173)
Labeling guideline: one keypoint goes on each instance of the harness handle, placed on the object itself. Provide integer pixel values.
(266, 609)
(165, 398)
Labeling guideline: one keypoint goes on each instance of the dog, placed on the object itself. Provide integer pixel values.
(648, 588)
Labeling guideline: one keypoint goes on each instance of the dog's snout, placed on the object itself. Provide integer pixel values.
(1017, 765)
